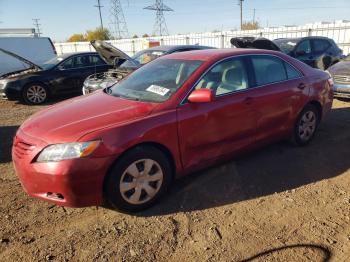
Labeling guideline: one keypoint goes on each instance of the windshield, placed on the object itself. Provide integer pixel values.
(155, 82)
(52, 62)
(286, 45)
(143, 57)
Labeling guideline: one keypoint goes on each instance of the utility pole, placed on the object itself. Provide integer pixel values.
(99, 6)
(254, 16)
(240, 3)
(37, 26)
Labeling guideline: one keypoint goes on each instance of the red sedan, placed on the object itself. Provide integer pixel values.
(181, 113)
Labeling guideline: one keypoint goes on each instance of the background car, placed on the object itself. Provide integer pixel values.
(315, 51)
(181, 113)
(124, 65)
(341, 77)
(61, 75)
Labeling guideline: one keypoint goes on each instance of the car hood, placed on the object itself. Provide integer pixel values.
(70, 120)
(109, 53)
(341, 68)
(31, 64)
(253, 42)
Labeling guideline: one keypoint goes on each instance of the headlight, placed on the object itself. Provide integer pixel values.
(67, 151)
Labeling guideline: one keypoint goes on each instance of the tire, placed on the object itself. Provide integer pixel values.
(35, 94)
(306, 125)
(126, 188)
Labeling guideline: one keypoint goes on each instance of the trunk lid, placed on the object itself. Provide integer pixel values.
(254, 42)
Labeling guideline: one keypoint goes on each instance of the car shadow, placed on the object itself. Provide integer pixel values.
(291, 249)
(275, 168)
(7, 134)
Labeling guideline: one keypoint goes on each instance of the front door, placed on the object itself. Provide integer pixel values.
(208, 131)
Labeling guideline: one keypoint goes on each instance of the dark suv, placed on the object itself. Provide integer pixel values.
(318, 52)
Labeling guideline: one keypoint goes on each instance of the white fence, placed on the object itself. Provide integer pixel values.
(339, 31)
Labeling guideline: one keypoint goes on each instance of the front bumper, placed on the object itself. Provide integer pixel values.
(341, 90)
(72, 183)
(10, 90)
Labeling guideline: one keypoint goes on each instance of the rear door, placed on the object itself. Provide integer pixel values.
(279, 92)
(209, 131)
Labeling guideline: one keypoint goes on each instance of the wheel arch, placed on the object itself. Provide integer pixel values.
(156, 145)
(318, 106)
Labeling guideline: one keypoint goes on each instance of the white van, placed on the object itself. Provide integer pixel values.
(35, 49)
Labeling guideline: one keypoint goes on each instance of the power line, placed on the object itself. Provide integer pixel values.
(118, 22)
(99, 6)
(37, 26)
(160, 26)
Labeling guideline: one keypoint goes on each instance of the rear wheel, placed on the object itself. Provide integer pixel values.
(35, 94)
(138, 179)
(306, 125)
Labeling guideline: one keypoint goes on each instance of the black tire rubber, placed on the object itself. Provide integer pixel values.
(296, 137)
(24, 94)
(111, 184)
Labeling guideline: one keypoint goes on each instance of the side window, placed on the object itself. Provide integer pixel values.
(268, 70)
(226, 77)
(95, 60)
(68, 64)
(320, 45)
(304, 48)
(292, 73)
(81, 61)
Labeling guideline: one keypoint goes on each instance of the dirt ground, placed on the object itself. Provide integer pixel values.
(281, 203)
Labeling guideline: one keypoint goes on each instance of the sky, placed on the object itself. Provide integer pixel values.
(61, 18)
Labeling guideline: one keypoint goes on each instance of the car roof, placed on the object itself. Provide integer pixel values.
(217, 54)
(302, 38)
(66, 55)
(173, 48)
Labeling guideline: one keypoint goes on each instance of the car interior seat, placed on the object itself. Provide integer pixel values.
(232, 80)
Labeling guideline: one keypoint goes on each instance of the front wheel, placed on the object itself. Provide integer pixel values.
(306, 125)
(35, 94)
(138, 179)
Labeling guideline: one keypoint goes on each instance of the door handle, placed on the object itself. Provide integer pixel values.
(301, 86)
(248, 100)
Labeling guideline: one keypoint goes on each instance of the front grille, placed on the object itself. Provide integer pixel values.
(341, 79)
(22, 148)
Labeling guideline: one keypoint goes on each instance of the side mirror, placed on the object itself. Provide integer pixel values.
(202, 95)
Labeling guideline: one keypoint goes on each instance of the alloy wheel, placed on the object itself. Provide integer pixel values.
(36, 94)
(141, 181)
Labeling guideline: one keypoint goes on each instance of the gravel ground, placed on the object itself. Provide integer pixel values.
(281, 203)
